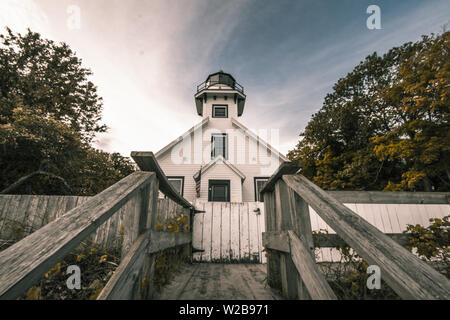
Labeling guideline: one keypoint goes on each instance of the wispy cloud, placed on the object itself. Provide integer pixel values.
(148, 56)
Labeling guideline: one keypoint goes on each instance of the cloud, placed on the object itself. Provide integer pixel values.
(155, 103)
(19, 15)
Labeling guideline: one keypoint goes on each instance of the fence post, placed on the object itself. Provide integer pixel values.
(148, 269)
(289, 276)
(301, 225)
(273, 259)
(136, 216)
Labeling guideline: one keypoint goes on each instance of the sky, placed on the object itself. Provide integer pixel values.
(148, 56)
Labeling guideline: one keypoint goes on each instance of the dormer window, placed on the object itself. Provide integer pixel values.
(220, 111)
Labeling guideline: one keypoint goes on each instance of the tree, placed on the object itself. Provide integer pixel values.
(385, 125)
(49, 114)
(38, 73)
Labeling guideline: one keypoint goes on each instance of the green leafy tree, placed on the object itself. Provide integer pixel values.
(49, 114)
(39, 73)
(385, 125)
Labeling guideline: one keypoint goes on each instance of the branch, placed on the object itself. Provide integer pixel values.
(25, 178)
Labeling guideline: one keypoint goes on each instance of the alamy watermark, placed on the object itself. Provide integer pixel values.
(74, 17)
(74, 281)
(374, 280)
(203, 146)
(374, 20)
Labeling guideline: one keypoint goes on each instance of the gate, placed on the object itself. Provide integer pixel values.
(229, 232)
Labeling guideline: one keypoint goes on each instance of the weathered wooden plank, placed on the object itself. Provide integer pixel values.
(21, 211)
(207, 232)
(197, 232)
(235, 247)
(301, 222)
(273, 263)
(226, 232)
(289, 276)
(301, 225)
(313, 279)
(408, 276)
(147, 162)
(7, 231)
(276, 240)
(253, 232)
(216, 225)
(333, 240)
(38, 216)
(4, 212)
(52, 202)
(32, 213)
(391, 197)
(244, 232)
(22, 264)
(214, 281)
(136, 218)
(176, 288)
(164, 240)
(262, 224)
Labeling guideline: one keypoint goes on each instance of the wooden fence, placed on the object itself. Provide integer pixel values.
(25, 262)
(291, 265)
(229, 232)
(21, 215)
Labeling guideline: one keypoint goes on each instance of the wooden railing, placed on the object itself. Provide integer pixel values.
(25, 262)
(291, 265)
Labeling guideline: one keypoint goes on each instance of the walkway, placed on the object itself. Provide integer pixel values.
(214, 281)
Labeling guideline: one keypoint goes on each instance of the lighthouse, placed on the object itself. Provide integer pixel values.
(219, 159)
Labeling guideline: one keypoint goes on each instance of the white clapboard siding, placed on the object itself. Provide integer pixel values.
(229, 232)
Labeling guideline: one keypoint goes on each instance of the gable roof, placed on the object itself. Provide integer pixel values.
(180, 138)
(225, 162)
(257, 138)
(235, 123)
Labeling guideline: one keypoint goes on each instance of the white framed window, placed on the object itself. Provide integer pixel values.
(259, 183)
(220, 111)
(177, 183)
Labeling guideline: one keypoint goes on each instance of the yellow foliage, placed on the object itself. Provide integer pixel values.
(33, 293)
(159, 226)
(96, 293)
(55, 270)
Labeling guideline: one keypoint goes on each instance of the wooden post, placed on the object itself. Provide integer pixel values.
(147, 289)
(153, 205)
(273, 259)
(289, 275)
(136, 215)
(301, 225)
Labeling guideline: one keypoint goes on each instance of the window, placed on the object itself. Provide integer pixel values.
(219, 190)
(220, 111)
(177, 183)
(259, 183)
(219, 145)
